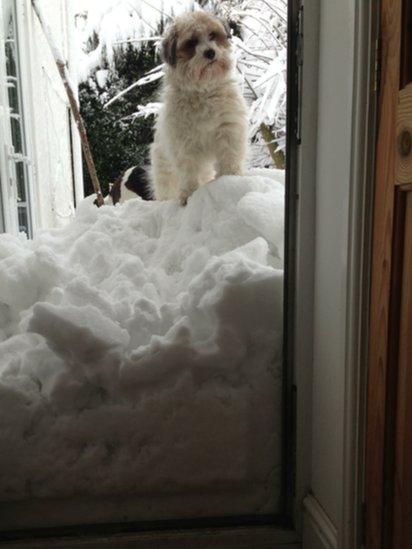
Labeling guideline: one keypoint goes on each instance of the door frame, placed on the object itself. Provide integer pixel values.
(386, 280)
(333, 508)
(302, 276)
(381, 382)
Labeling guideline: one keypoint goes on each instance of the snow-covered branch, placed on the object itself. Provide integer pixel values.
(152, 76)
(137, 40)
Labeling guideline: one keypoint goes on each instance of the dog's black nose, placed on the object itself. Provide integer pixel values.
(210, 54)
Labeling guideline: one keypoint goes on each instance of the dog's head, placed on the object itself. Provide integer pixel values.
(196, 48)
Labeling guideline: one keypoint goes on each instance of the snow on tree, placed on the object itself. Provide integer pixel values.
(261, 50)
(260, 45)
(116, 23)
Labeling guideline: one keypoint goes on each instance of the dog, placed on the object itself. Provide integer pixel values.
(201, 130)
(131, 183)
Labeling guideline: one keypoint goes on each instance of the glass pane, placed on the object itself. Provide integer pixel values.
(21, 179)
(11, 52)
(16, 136)
(13, 94)
(184, 418)
(23, 219)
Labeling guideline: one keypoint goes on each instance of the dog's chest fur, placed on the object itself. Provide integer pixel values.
(207, 111)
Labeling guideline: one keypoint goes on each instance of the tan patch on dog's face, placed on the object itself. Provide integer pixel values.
(187, 47)
(218, 34)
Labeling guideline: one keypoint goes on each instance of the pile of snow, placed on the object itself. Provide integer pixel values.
(141, 348)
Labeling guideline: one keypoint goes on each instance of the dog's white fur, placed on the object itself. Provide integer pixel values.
(201, 131)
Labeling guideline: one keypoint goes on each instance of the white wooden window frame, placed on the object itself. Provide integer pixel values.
(25, 49)
(8, 190)
(8, 183)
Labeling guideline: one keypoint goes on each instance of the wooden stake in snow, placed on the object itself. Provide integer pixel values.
(64, 73)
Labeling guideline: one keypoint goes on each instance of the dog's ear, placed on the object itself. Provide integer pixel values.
(226, 26)
(169, 48)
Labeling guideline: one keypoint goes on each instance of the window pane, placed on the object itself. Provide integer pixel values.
(13, 94)
(16, 136)
(195, 427)
(23, 219)
(10, 51)
(20, 179)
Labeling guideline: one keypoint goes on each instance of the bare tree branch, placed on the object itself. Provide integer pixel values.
(64, 73)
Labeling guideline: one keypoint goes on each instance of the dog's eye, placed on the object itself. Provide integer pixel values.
(191, 44)
(212, 36)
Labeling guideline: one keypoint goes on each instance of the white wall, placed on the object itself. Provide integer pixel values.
(49, 120)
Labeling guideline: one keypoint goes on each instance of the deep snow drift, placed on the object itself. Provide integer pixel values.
(141, 348)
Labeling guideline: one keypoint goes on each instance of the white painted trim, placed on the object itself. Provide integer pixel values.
(24, 34)
(321, 525)
(76, 143)
(5, 190)
(8, 187)
(77, 162)
(347, 491)
(7, 194)
(305, 255)
(359, 256)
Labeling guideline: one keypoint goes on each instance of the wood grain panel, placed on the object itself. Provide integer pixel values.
(404, 137)
(402, 502)
(391, 17)
(398, 233)
(406, 58)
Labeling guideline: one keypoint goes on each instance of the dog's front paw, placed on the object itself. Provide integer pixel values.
(184, 196)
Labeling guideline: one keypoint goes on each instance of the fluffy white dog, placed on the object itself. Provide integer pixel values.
(201, 131)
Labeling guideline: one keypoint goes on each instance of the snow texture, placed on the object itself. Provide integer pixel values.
(116, 22)
(141, 348)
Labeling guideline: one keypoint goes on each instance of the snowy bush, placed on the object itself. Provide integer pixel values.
(118, 141)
